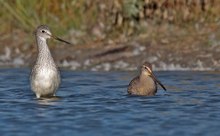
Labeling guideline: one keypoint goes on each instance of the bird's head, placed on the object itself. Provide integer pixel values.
(146, 70)
(44, 33)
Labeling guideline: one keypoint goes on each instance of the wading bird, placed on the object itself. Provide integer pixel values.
(145, 83)
(45, 76)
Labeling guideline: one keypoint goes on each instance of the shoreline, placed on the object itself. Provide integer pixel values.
(122, 57)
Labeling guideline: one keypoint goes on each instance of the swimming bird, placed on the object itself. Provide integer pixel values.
(145, 83)
(45, 76)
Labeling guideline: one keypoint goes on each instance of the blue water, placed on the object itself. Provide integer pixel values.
(97, 104)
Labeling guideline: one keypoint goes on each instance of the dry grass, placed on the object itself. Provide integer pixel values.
(109, 17)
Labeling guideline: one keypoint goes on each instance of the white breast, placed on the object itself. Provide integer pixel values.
(44, 77)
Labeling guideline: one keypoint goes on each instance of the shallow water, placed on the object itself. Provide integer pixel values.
(96, 103)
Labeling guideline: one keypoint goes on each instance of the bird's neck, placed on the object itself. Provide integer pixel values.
(147, 82)
(145, 77)
(44, 55)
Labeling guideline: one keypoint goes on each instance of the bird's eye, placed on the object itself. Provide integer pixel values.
(145, 67)
(43, 31)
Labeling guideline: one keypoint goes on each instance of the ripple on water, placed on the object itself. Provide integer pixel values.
(96, 103)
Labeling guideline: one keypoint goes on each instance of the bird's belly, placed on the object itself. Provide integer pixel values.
(43, 82)
(45, 78)
(145, 88)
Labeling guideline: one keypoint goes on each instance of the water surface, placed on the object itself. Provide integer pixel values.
(96, 103)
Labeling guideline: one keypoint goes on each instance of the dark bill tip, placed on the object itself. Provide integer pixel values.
(61, 40)
(155, 79)
(161, 85)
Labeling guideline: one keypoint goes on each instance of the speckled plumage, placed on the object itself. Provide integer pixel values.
(45, 76)
(145, 83)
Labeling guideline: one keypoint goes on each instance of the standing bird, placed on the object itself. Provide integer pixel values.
(45, 76)
(145, 83)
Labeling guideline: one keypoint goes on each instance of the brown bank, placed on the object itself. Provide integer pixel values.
(176, 51)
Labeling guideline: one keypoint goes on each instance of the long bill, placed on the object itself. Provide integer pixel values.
(57, 38)
(155, 79)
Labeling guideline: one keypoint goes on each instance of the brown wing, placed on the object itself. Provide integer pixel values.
(133, 84)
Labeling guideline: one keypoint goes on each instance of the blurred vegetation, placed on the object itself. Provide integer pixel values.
(104, 18)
